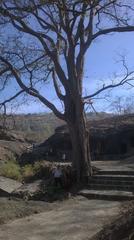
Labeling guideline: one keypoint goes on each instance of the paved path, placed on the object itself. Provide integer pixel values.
(74, 219)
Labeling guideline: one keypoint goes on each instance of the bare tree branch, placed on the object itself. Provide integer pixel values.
(125, 80)
(31, 91)
(12, 98)
(112, 30)
(59, 94)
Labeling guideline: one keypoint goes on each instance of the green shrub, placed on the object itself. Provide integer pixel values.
(35, 171)
(27, 171)
(37, 167)
(11, 169)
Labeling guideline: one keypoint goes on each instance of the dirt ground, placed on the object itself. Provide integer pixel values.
(76, 218)
(18, 208)
(121, 228)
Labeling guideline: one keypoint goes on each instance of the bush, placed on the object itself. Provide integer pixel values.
(37, 167)
(35, 171)
(11, 169)
(27, 171)
(42, 171)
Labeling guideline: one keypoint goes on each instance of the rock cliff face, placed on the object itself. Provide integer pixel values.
(12, 145)
(110, 138)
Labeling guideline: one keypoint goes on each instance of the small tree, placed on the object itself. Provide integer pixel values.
(118, 105)
(122, 105)
(62, 31)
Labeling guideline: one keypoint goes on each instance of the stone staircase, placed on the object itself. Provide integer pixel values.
(110, 185)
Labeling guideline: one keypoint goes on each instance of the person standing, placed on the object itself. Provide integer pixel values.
(57, 173)
(63, 157)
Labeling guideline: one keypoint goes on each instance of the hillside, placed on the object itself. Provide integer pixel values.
(33, 127)
(12, 145)
(23, 130)
(110, 138)
(38, 127)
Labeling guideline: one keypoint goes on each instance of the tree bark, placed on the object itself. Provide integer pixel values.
(76, 120)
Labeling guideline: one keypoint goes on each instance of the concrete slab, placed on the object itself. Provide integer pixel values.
(74, 219)
(8, 184)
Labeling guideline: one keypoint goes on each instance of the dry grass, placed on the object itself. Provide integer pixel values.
(14, 208)
(11, 169)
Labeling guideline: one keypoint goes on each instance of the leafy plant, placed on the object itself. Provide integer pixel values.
(27, 171)
(11, 169)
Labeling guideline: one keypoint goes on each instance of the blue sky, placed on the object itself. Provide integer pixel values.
(100, 63)
(103, 54)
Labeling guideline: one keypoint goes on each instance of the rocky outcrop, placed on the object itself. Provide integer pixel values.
(11, 136)
(31, 190)
(7, 186)
(12, 145)
(110, 138)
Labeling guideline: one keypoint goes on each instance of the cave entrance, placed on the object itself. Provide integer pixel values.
(132, 141)
(123, 148)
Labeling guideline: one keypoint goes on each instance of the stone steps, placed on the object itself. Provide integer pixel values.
(110, 185)
(114, 177)
(106, 186)
(115, 182)
(116, 172)
(112, 195)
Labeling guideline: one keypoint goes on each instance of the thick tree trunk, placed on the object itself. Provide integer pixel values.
(81, 160)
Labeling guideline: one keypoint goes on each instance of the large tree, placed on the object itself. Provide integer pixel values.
(61, 32)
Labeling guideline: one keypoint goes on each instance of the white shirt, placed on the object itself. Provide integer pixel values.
(63, 156)
(57, 173)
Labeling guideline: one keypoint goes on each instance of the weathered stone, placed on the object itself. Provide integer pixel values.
(7, 186)
(110, 138)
